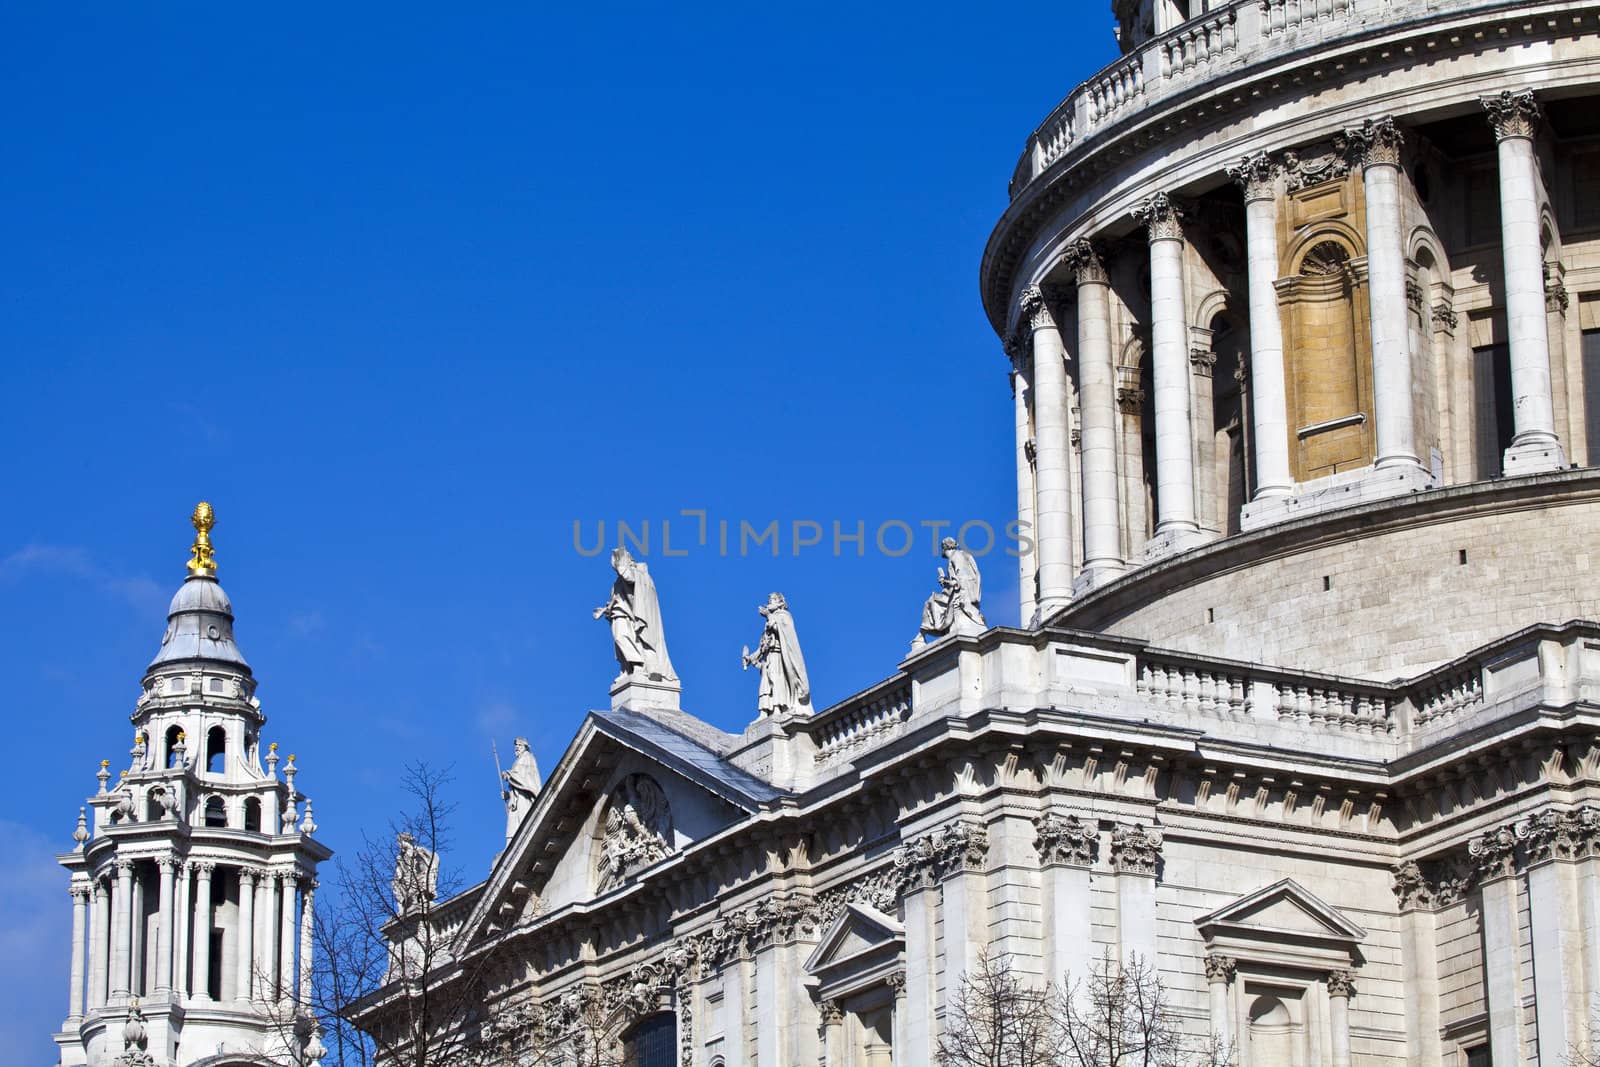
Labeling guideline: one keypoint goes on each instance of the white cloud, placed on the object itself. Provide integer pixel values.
(136, 590)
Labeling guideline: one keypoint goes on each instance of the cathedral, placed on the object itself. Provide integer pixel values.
(1300, 301)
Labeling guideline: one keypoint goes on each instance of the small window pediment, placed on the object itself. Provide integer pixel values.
(1285, 924)
(861, 948)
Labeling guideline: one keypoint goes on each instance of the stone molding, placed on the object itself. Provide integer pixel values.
(1220, 968)
(1314, 164)
(1204, 362)
(1257, 176)
(1503, 852)
(1065, 841)
(1341, 984)
(1035, 309)
(1135, 849)
(1445, 318)
(1513, 114)
(1088, 261)
(1162, 216)
(1375, 143)
(952, 849)
(1131, 401)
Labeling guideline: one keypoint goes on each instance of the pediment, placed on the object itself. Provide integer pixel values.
(1284, 922)
(860, 946)
(631, 792)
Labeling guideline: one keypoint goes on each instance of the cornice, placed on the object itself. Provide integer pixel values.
(1353, 57)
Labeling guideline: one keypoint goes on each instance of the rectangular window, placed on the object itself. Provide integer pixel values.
(1591, 393)
(1494, 422)
(1479, 1057)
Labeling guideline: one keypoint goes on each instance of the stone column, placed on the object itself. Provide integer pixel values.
(902, 1032)
(200, 942)
(266, 935)
(245, 956)
(286, 935)
(1169, 334)
(1066, 848)
(100, 947)
(1419, 956)
(1492, 855)
(1515, 118)
(1135, 853)
(1341, 984)
(831, 1031)
(1257, 175)
(1377, 144)
(169, 926)
(80, 923)
(122, 934)
(1219, 976)
(182, 912)
(1552, 840)
(307, 913)
(920, 971)
(1097, 376)
(1027, 559)
(1053, 495)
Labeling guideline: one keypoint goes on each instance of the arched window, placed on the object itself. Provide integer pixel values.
(173, 733)
(216, 812)
(252, 814)
(652, 1043)
(216, 750)
(1328, 359)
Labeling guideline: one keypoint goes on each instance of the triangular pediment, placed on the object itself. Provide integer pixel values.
(1283, 909)
(676, 786)
(860, 934)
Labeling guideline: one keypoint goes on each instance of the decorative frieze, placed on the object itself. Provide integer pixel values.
(1314, 164)
(1066, 840)
(1087, 259)
(1512, 114)
(638, 829)
(1257, 176)
(948, 850)
(1135, 849)
(1375, 143)
(1162, 216)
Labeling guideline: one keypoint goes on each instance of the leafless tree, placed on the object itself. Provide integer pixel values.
(1117, 1016)
(998, 1019)
(1121, 1016)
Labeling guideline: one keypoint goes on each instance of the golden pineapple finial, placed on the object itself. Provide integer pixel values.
(201, 562)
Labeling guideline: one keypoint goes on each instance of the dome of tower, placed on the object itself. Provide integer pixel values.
(200, 617)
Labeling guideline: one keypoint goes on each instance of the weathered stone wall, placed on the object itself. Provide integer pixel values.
(1343, 594)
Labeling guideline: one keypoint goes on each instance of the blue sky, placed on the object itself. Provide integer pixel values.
(405, 292)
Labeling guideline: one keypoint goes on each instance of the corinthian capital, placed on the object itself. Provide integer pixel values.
(1035, 309)
(1512, 114)
(1088, 261)
(1162, 216)
(1257, 175)
(1375, 143)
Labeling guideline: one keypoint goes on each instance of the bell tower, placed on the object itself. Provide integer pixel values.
(194, 870)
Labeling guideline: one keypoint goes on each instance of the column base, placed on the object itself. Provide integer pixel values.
(1048, 607)
(1340, 490)
(1091, 578)
(1536, 456)
(1171, 541)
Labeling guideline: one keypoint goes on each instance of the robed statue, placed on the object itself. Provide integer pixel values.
(522, 785)
(416, 875)
(635, 617)
(957, 606)
(785, 687)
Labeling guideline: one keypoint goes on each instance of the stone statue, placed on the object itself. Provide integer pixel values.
(416, 875)
(785, 686)
(522, 784)
(638, 829)
(957, 607)
(635, 617)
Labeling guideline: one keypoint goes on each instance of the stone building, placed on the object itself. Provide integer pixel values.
(194, 871)
(1302, 303)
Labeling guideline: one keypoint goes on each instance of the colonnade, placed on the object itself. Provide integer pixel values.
(109, 950)
(1045, 391)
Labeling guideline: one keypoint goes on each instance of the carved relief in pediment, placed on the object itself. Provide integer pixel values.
(637, 829)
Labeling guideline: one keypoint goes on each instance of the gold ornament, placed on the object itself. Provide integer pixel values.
(201, 562)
